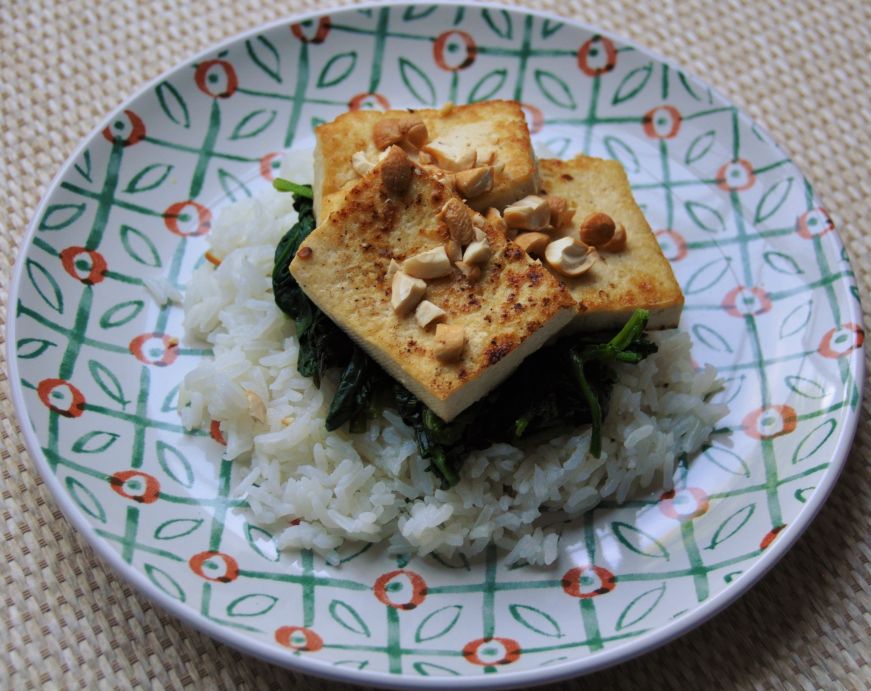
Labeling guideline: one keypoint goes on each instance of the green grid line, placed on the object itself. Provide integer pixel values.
(301, 86)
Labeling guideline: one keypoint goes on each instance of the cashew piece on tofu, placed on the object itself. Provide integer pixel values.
(396, 171)
(427, 313)
(450, 341)
(454, 251)
(597, 229)
(475, 182)
(361, 163)
(458, 219)
(570, 257)
(561, 211)
(406, 293)
(407, 129)
(618, 242)
(433, 263)
(470, 271)
(530, 213)
(533, 242)
(477, 252)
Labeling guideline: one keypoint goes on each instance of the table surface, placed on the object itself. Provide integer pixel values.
(801, 69)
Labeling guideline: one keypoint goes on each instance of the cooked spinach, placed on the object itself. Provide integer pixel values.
(322, 344)
(561, 386)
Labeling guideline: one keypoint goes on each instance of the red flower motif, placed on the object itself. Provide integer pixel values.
(129, 132)
(663, 122)
(177, 212)
(369, 101)
(841, 340)
(76, 265)
(597, 56)
(742, 301)
(814, 223)
(770, 535)
(672, 244)
(492, 651)
(268, 164)
(136, 485)
(534, 117)
(588, 581)
(155, 349)
(299, 638)
(736, 176)
(61, 397)
(458, 42)
(684, 504)
(216, 78)
(400, 584)
(214, 566)
(770, 422)
(302, 30)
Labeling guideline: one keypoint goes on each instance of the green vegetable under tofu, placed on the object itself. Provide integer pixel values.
(559, 387)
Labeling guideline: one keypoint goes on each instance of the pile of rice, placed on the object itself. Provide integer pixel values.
(374, 486)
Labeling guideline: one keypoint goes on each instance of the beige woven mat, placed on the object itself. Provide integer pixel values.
(799, 68)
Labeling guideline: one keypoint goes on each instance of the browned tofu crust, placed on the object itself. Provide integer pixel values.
(496, 129)
(507, 314)
(637, 277)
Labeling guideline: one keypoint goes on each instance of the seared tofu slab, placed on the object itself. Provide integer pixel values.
(638, 276)
(493, 318)
(490, 134)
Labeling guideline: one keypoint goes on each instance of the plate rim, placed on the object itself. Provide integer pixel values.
(261, 649)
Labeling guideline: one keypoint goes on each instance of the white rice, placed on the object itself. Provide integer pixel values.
(374, 486)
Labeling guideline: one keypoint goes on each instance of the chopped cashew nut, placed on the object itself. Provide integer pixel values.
(361, 163)
(454, 251)
(386, 133)
(561, 211)
(597, 229)
(416, 133)
(475, 182)
(450, 341)
(408, 129)
(392, 268)
(427, 313)
(396, 171)
(470, 271)
(533, 243)
(406, 293)
(477, 252)
(618, 242)
(478, 220)
(432, 263)
(569, 257)
(530, 213)
(496, 219)
(447, 108)
(451, 156)
(256, 406)
(456, 216)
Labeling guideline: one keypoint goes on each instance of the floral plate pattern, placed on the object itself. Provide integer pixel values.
(96, 363)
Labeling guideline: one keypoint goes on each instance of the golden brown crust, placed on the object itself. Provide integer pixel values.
(637, 276)
(506, 314)
(496, 129)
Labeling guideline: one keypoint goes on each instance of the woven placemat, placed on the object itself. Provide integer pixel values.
(801, 69)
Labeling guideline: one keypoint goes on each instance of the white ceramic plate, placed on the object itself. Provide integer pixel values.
(95, 366)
